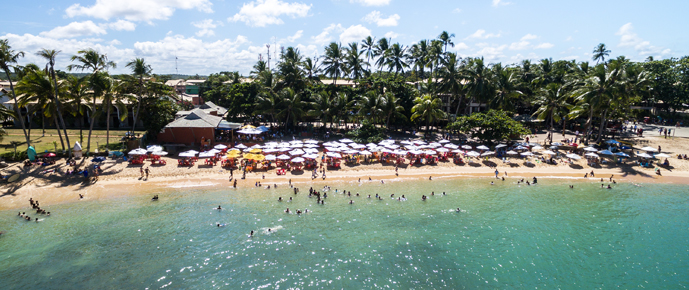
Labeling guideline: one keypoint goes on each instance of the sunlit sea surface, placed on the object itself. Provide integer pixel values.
(507, 236)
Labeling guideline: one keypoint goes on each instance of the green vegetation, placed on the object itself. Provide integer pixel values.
(51, 140)
(491, 126)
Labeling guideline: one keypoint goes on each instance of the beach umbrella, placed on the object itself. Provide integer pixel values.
(296, 141)
(612, 142)
(520, 147)
(297, 152)
(311, 150)
(350, 152)
(311, 146)
(487, 153)
(573, 156)
(443, 150)
(649, 149)
(557, 144)
(159, 153)
(415, 152)
(549, 152)
(138, 151)
(333, 149)
(220, 147)
(357, 146)
(284, 149)
(332, 144)
(457, 151)
(444, 141)
(272, 144)
(284, 145)
(554, 147)
(526, 154)
(241, 146)
(256, 150)
(386, 150)
(206, 154)
(591, 154)
(537, 147)
(283, 157)
(467, 147)
(430, 152)
(662, 155)
(500, 146)
(451, 146)
(154, 148)
(346, 141)
(255, 146)
(365, 153)
(606, 152)
(419, 142)
(391, 146)
(270, 157)
(621, 154)
(590, 149)
(333, 155)
(512, 152)
(311, 142)
(257, 157)
(473, 154)
(407, 142)
(271, 150)
(483, 147)
(247, 150)
(51, 154)
(435, 145)
(644, 155)
(400, 152)
(296, 145)
(187, 154)
(310, 156)
(298, 159)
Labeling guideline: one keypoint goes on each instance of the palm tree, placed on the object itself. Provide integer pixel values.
(427, 108)
(36, 91)
(292, 106)
(355, 65)
(112, 92)
(90, 59)
(259, 67)
(321, 107)
(342, 107)
(311, 68)
(334, 61)
(76, 95)
(452, 79)
(390, 108)
(419, 56)
(506, 83)
(140, 69)
(446, 38)
(478, 80)
(368, 47)
(397, 58)
(550, 101)
(381, 52)
(371, 106)
(600, 52)
(50, 55)
(267, 103)
(435, 52)
(8, 57)
(595, 92)
(290, 69)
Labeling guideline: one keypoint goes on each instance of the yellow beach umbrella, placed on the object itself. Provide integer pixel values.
(256, 150)
(248, 127)
(257, 157)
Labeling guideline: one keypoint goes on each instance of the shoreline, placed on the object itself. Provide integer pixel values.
(116, 186)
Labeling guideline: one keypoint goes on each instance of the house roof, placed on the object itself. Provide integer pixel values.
(172, 83)
(209, 107)
(196, 119)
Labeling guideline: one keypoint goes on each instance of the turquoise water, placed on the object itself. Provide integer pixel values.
(508, 237)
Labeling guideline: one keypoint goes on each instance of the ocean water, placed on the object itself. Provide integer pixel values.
(507, 236)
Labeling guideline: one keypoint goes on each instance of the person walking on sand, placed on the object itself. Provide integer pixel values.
(147, 172)
(141, 169)
(496, 173)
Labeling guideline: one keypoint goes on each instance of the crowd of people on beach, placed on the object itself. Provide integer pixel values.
(34, 205)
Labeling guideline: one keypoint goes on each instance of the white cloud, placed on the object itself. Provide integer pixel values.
(375, 17)
(569, 38)
(461, 46)
(206, 26)
(544, 45)
(296, 36)
(529, 37)
(115, 42)
(121, 25)
(260, 13)
(325, 36)
(520, 45)
(457, 10)
(628, 38)
(570, 57)
(137, 10)
(354, 33)
(497, 3)
(391, 35)
(491, 53)
(481, 34)
(371, 2)
(75, 29)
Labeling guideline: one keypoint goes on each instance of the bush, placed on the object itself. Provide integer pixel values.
(367, 133)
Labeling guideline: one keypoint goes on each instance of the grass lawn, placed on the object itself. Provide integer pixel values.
(46, 143)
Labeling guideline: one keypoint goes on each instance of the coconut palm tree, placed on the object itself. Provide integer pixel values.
(390, 108)
(9, 57)
(311, 68)
(112, 95)
(381, 52)
(371, 106)
(478, 80)
(355, 65)
(50, 56)
(36, 93)
(595, 92)
(427, 108)
(292, 104)
(452, 79)
(418, 54)
(334, 61)
(368, 47)
(506, 83)
(342, 107)
(446, 38)
(397, 58)
(600, 52)
(90, 59)
(321, 107)
(289, 68)
(267, 102)
(435, 52)
(76, 104)
(140, 69)
(258, 68)
(551, 100)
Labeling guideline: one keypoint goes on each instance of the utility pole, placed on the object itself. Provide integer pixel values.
(268, 46)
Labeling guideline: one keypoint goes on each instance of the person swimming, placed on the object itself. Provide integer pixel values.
(287, 210)
(491, 183)
(459, 210)
(221, 225)
(280, 198)
(351, 201)
(155, 197)
(251, 235)
(430, 178)
(609, 187)
(219, 208)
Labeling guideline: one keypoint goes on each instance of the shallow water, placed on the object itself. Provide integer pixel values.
(508, 236)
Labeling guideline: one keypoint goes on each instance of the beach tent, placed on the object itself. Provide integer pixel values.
(31, 153)
(77, 150)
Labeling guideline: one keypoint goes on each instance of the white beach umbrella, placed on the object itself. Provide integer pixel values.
(392, 146)
(419, 142)
(434, 145)
(284, 149)
(662, 155)
(527, 153)
(400, 152)
(622, 154)
(220, 147)
(357, 146)
(591, 154)
(346, 141)
(138, 151)
(214, 151)
(187, 154)
(241, 146)
(386, 150)
(283, 157)
(430, 152)
(272, 150)
(350, 152)
(365, 153)
(296, 152)
(407, 142)
(206, 154)
(649, 149)
(573, 156)
(590, 149)
(467, 147)
(159, 153)
(333, 149)
(311, 142)
(457, 151)
(296, 141)
(296, 145)
(272, 144)
(270, 157)
(482, 147)
(644, 155)
(444, 141)
(416, 152)
(443, 150)
(557, 144)
(549, 152)
(606, 152)
(451, 146)
(520, 147)
(256, 146)
(333, 155)
(298, 159)
(311, 150)
(511, 152)
(311, 146)
(154, 148)
(537, 147)
(487, 153)
(500, 146)
(310, 156)
(473, 154)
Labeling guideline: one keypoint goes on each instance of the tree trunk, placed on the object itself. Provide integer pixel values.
(43, 123)
(107, 128)
(602, 125)
(18, 110)
(58, 107)
(57, 126)
(138, 105)
(550, 130)
(588, 125)
(461, 99)
(93, 120)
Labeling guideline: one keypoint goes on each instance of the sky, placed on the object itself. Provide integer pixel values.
(209, 36)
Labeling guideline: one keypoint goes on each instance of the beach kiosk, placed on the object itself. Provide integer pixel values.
(77, 150)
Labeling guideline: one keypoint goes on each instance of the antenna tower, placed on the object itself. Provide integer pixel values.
(268, 46)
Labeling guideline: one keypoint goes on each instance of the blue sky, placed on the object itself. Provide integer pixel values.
(222, 35)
